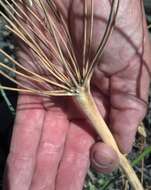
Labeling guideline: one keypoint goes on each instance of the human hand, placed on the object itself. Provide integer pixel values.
(51, 144)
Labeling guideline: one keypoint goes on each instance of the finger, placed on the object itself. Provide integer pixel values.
(25, 139)
(129, 94)
(104, 158)
(50, 150)
(125, 116)
(75, 162)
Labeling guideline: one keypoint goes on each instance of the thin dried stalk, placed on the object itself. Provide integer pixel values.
(88, 106)
(70, 80)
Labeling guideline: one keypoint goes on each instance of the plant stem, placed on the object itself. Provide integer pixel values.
(86, 103)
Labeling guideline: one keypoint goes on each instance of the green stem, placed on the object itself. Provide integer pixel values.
(146, 152)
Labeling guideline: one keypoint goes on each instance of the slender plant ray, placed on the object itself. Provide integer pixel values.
(107, 33)
(48, 30)
(88, 29)
(52, 25)
(33, 74)
(34, 31)
(59, 17)
(90, 35)
(44, 59)
(42, 55)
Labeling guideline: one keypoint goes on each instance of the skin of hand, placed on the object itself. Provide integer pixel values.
(52, 144)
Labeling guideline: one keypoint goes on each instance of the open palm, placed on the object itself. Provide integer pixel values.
(51, 140)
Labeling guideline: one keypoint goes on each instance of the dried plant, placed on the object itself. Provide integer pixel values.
(64, 76)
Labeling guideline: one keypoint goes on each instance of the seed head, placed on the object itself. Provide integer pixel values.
(42, 32)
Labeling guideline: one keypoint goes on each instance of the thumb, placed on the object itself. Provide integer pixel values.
(103, 158)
